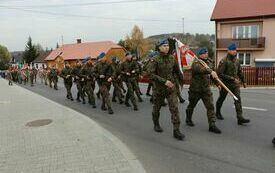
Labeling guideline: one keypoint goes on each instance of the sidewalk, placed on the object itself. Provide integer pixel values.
(71, 142)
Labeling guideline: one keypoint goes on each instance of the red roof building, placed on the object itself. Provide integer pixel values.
(80, 51)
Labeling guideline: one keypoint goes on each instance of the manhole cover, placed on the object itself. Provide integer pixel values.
(38, 123)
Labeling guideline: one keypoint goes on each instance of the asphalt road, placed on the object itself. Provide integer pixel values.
(239, 149)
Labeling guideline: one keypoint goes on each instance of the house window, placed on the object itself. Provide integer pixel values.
(246, 31)
(244, 58)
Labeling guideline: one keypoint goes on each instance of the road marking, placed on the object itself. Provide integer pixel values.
(5, 102)
(253, 108)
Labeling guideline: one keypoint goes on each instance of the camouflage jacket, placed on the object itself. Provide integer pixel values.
(103, 68)
(87, 72)
(129, 67)
(67, 71)
(163, 68)
(230, 69)
(201, 76)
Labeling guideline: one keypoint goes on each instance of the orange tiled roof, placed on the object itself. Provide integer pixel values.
(82, 50)
(232, 9)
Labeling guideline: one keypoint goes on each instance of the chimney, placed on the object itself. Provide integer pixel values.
(78, 41)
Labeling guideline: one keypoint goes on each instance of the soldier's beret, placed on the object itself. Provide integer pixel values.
(101, 55)
(201, 51)
(232, 46)
(114, 58)
(162, 41)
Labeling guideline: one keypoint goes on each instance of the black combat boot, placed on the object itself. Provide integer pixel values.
(214, 129)
(178, 135)
(113, 99)
(135, 108)
(148, 94)
(94, 106)
(110, 111)
(181, 100)
(157, 127)
(188, 120)
(127, 104)
(120, 101)
(273, 141)
(242, 121)
(103, 107)
(219, 116)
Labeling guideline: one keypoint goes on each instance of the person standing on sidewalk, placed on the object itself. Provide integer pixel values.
(200, 89)
(9, 75)
(229, 70)
(163, 72)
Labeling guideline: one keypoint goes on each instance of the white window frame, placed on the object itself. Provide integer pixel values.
(236, 27)
(244, 58)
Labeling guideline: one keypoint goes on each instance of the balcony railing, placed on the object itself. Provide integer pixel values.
(250, 43)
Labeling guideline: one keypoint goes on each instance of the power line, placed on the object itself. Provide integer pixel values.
(84, 4)
(88, 16)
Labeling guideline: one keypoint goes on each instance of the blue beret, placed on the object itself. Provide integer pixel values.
(114, 58)
(232, 46)
(163, 41)
(201, 51)
(101, 55)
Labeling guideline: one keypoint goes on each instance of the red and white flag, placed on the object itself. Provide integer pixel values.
(184, 55)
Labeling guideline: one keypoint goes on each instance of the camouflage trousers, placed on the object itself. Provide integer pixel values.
(207, 99)
(88, 89)
(238, 104)
(171, 95)
(54, 81)
(80, 91)
(68, 85)
(117, 90)
(131, 88)
(104, 91)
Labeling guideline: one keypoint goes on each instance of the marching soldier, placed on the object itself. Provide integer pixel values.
(88, 73)
(137, 75)
(200, 89)
(79, 82)
(163, 72)
(9, 75)
(129, 70)
(53, 76)
(32, 75)
(66, 74)
(229, 70)
(117, 77)
(104, 74)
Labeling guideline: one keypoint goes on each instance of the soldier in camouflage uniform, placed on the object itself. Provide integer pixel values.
(163, 72)
(200, 89)
(79, 80)
(229, 70)
(66, 74)
(137, 75)
(53, 76)
(128, 70)
(32, 75)
(104, 74)
(87, 72)
(117, 89)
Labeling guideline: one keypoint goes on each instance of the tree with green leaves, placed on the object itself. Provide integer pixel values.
(31, 52)
(5, 57)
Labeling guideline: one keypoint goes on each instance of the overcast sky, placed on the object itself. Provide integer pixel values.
(97, 20)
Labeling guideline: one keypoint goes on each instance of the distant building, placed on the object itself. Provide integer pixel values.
(251, 25)
(17, 57)
(40, 60)
(80, 51)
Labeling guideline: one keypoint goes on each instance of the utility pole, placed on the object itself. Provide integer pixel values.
(184, 40)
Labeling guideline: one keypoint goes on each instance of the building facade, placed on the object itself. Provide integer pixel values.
(251, 25)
